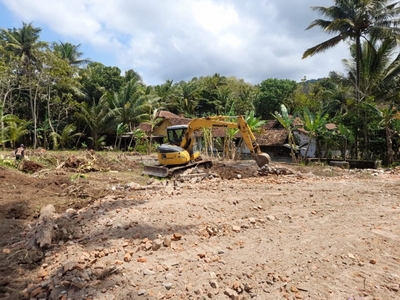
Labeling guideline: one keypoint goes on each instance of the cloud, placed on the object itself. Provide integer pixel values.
(182, 39)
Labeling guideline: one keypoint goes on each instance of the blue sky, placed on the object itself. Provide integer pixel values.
(182, 39)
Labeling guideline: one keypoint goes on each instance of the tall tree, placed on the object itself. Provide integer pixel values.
(24, 43)
(354, 20)
(70, 53)
(99, 118)
(187, 98)
(272, 94)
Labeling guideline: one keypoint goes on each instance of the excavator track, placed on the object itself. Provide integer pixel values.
(166, 172)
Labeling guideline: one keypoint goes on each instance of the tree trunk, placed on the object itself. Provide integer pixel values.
(389, 145)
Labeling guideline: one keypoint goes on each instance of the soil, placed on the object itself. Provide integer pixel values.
(230, 232)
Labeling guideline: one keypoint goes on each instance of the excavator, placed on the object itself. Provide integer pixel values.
(181, 153)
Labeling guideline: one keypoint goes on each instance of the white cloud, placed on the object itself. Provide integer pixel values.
(181, 39)
(214, 17)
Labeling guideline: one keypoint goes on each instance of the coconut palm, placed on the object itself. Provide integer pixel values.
(337, 100)
(70, 53)
(380, 82)
(99, 118)
(24, 43)
(354, 20)
(380, 72)
(130, 104)
(187, 98)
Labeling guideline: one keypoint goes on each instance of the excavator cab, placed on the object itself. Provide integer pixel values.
(176, 133)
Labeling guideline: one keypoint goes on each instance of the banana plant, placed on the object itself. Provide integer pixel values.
(11, 128)
(66, 136)
(287, 123)
(315, 126)
(121, 129)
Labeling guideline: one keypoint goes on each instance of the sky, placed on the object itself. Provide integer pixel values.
(180, 39)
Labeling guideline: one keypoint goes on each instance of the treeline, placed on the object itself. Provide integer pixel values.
(52, 97)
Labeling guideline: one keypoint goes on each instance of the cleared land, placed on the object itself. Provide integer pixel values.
(313, 233)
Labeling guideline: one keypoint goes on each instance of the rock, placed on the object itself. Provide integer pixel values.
(43, 273)
(167, 285)
(198, 291)
(127, 257)
(214, 284)
(157, 243)
(148, 272)
(372, 261)
(176, 236)
(6, 250)
(37, 293)
(236, 228)
(270, 218)
(231, 294)
(148, 245)
(393, 287)
(167, 241)
(142, 259)
(141, 292)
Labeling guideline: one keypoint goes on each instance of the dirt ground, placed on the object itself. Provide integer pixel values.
(300, 232)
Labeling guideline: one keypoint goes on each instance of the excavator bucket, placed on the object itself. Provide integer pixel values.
(157, 171)
(262, 159)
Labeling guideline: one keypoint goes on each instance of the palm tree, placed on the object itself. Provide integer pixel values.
(337, 100)
(187, 98)
(380, 80)
(380, 72)
(130, 103)
(24, 43)
(166, 95)
(70, 53)
(99, 118)
(353, 20)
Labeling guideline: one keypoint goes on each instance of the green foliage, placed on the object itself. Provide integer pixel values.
(272, 93)
(66, 137)
(8, 163)
(98, 79)
(287, 122)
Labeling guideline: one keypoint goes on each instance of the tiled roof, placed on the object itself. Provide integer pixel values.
(179, 121)
(146, 127)
(269, 124)
(272, 137)
(166, 114)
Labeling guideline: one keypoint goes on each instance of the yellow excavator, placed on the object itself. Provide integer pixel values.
(181, 152)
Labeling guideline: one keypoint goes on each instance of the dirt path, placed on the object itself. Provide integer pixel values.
(320, 233)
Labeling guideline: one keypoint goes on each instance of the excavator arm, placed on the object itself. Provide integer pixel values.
(261, 158)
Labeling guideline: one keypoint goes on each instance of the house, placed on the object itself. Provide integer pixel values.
(305, 143)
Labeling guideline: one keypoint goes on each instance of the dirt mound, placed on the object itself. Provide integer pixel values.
(28, 166)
